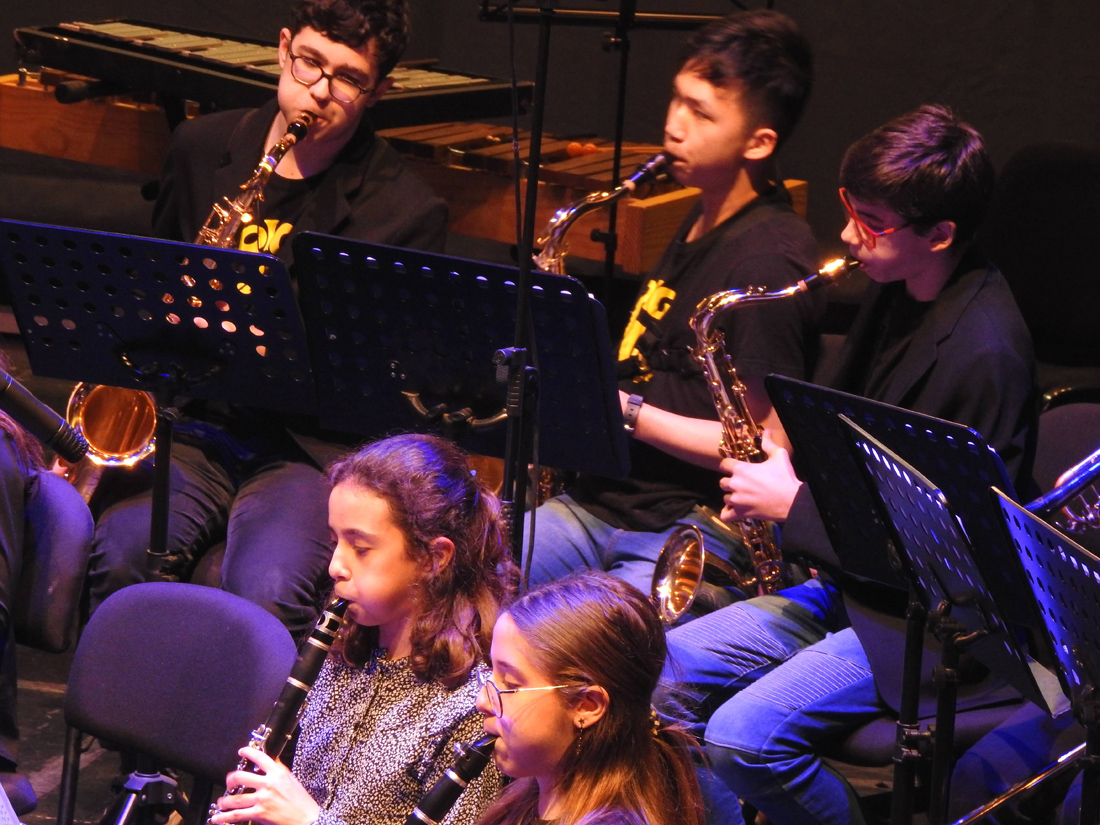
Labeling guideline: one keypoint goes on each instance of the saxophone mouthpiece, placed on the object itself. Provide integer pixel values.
(830, 273)
(650, 170)
(301, 125)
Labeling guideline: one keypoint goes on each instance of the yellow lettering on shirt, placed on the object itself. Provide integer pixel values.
(265, 238)
(655, 301)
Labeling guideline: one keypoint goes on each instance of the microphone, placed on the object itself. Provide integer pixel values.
(40, 421)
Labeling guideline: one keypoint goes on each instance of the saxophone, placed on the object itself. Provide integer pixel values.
(272, 736)
(228, 216)
(552, 240)
(120, 423)
(680, 567)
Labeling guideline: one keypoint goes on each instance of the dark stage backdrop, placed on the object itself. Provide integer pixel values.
(1020, 70)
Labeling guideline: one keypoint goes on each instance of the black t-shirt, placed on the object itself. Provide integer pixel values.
(765, 244)
(285, 201)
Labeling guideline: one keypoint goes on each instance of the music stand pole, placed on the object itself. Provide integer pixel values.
(909, 735)
(522, 391)
(162, 462)
(620, 40)
(946, 679)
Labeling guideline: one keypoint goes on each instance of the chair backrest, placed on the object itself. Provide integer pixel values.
(1040, 232)
(56, 544)
(1067, 435)
(180, 672)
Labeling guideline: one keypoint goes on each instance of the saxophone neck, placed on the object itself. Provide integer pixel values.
(552, 238)
(711, 308)
(228, 216)
(294, 133)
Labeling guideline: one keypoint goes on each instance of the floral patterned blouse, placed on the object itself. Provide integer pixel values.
(375, 739)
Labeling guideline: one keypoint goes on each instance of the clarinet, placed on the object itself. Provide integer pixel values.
(470, 761)
(272, 736)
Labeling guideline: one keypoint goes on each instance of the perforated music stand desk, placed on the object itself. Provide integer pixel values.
(953, 457)
(1064, 579)
(139, 313)
(386, 323)
(939, 560)
(165, 317)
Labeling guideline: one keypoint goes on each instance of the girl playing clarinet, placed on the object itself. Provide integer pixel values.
(419, 552)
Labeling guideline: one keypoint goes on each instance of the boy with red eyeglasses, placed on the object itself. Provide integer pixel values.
(938, 332)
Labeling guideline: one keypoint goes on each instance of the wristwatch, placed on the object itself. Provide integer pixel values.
(630, 414)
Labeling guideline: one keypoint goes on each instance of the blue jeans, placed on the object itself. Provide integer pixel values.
(770, 680)
(275, 522)
(1019, 748)
(568, 537)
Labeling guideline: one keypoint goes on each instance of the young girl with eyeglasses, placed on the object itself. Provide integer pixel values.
(420, 554)
(575, 663)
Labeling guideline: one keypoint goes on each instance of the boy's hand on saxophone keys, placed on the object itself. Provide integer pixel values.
(763, 491)
(276, 796)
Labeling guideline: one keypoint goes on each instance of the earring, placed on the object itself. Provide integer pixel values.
(580, 737)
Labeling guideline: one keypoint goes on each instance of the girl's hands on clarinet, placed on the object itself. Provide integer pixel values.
(276, 798)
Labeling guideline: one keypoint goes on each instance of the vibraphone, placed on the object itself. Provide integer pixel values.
(219, 72)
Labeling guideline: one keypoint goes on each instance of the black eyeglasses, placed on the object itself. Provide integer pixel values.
(307, 72)
(494, 693)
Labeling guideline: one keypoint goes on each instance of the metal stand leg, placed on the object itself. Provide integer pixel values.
(146, 794)
(70, 774)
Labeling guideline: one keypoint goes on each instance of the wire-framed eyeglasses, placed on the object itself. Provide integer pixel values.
(868, 236)
(494, 693)
(307, 71)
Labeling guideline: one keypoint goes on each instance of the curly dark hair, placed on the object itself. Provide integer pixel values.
(385, 23)
(427, 483)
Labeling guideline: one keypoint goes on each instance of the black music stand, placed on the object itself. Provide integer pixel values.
(955, 458)
(961, 612)
(1065, 581)
(165, 317)
(406, 340)
(959, 462)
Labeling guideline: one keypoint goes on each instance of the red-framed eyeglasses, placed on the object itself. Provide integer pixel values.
(868, 236)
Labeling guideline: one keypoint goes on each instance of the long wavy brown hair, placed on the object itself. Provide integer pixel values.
(432, 494)
(587, 629)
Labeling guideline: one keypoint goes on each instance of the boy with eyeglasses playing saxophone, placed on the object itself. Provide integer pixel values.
(236, 472)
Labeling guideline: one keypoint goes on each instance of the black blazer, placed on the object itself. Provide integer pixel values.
(368, 194)
(969, 361)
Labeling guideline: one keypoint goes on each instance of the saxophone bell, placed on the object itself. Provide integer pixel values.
(119, 426)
